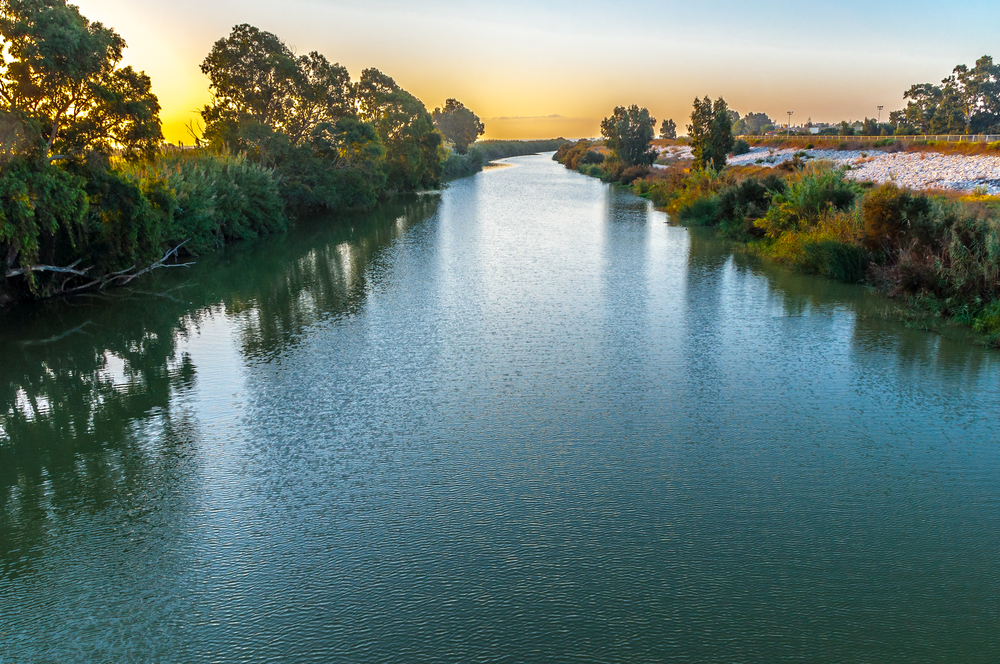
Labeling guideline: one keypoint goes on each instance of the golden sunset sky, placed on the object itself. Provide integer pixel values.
(546, 69)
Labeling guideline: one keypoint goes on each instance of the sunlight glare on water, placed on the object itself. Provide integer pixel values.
(524, 420)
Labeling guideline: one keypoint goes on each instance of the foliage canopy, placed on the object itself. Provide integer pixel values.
(628, 133)
(64, 72)
(458, 124)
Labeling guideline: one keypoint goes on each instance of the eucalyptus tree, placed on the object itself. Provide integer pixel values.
(255, 79)
(64, 72)
(628, 133)
(458, 124)
(412, 143)
(668, 129)
(711, 133)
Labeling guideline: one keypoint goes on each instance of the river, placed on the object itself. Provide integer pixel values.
(521, 420)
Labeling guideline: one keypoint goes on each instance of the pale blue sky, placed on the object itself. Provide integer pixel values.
(825, 60)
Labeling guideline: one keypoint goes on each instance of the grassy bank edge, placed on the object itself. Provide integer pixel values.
(840, 233)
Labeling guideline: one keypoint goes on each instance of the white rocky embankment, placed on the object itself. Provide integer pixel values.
(916, 170)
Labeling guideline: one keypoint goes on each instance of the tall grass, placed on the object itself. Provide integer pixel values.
(938, 252)
(210, 198)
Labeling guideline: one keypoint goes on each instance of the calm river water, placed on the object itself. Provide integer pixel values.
(524, 420)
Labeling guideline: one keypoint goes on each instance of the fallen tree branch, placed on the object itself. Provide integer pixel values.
(124, 276)
(69, 269)
(119, 278)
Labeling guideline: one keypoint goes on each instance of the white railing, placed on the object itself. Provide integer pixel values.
(957, 138)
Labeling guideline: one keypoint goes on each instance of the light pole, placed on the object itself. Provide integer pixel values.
(789, 132)
(880, 114)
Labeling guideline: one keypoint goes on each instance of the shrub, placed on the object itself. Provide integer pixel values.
(702, 211)
(988, 321)
(216, 197)
(809, 195)
(632, 173)
(889, 213)
(740, 147)
(836, 260)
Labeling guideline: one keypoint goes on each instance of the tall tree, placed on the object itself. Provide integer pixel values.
(699, 131)
(64, 71)
(756, 123)
(255, 79)
(628, 133)
(721, 133)
(711, 133)
(668, 129)
(458, 124)
(412, 143)
(972, 93)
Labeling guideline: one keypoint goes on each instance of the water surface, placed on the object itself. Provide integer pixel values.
(522, 420)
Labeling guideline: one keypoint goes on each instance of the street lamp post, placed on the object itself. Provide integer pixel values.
(880, 114)
(789, 132)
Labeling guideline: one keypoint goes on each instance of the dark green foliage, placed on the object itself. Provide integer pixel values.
(968, 101)
(748, 199)
(892, 214)
(702, 211)
(211, 198)
(459, 165)
(711, 133)
(740, 146)
(836, 260)
(255, 79)
(63, 71)
(501, 149)
(458, 124)
(297, 115)
(414, 150)
(668, 129)
(754, 124)
(628, 134)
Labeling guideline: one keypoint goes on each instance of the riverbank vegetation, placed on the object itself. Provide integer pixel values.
(90, 196)
(939, 252)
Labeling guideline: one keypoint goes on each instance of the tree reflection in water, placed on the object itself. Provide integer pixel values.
(85, 381)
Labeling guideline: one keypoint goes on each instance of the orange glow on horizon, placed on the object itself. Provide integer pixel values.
(538, 73)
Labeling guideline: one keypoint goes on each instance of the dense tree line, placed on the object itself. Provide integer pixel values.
(967, 102)
(90, 196)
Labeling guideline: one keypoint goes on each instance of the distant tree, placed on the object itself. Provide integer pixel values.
(412, 143)
(699, 132)
(711, 133)
(64, 72)
(972, 93)
(757, 122)
(846, 129)
(628, 133)
(949, 116)
(668, 129)
(721, 133)
(979, 88)
(255, 79)
(458, 124)
(870, 127)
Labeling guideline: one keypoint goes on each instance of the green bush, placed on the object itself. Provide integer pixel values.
(459, 165)
(988, 321)
(740, 146)
(836, 260)
(702, 211)
(891, 213)
(215, 197)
